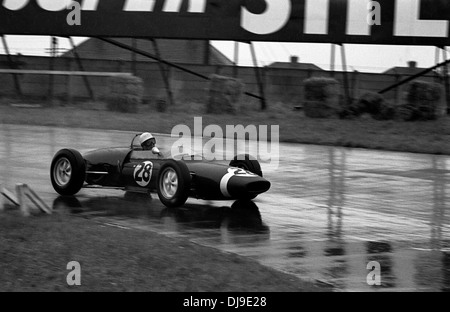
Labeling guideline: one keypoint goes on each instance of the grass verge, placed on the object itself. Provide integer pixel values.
(432, 137)
(35, 253)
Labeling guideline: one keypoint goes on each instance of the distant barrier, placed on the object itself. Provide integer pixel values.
(282, 85)
(23, 192)
(70, 88)
(5, 194)
(61, 73)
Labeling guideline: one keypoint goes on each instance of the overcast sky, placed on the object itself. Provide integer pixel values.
(364, 58)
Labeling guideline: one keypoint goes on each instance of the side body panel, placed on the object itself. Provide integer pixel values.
(103, 166)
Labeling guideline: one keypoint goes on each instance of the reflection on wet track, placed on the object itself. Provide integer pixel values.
(329, 213)
(243, 217)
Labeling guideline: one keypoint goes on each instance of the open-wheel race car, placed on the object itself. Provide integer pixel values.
(175, 179)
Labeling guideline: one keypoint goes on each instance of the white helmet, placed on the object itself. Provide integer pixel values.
(145, 137)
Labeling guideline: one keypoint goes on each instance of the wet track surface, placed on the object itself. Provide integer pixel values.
(329, 213)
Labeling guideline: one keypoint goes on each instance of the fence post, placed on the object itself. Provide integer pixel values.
(21, 199)
(259, 79)
(4, 193)
(36, 200)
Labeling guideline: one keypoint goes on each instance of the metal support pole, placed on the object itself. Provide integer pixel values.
(422, 73)
(133, 56)
(446, 80)
(81, 67)
(333, 59)
(12, 66)
(164, 74)
(236, 60)
(258, 78)
(50, 93)
(436, 55)
(437, 59)
(207, 53)
(345, 73)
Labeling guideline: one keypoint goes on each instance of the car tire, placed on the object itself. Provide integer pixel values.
(248, 163)
(67, 172)
(173, 183)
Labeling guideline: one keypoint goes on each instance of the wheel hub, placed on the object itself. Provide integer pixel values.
(169, 183)
(62, 172)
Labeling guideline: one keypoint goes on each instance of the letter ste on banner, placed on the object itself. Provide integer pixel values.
(409, 22)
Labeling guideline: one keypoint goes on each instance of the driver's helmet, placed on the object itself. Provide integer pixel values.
(147, 140)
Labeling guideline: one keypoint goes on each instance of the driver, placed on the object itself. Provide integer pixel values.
(148, 143)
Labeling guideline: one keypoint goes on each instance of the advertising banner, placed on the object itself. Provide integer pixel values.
(408, 22)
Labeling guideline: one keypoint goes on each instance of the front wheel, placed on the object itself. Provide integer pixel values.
(67, 172)
(173, 184)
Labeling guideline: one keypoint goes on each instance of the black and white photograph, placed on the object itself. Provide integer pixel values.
(225, 154)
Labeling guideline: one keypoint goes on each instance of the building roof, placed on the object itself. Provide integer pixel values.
(409, 70)
(294, 64)
(172, 50)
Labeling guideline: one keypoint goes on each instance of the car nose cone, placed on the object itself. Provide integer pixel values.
(247, 186)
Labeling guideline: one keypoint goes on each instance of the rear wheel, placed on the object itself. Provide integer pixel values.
(248, 163)
(173, 184)
(67, 172)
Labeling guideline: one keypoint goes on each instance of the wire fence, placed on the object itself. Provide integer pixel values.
(282, 81)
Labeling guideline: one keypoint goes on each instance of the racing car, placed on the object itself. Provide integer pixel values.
(175, 179)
